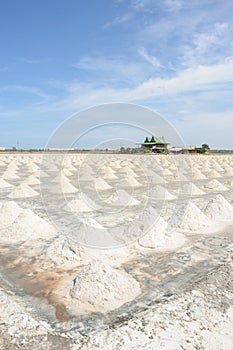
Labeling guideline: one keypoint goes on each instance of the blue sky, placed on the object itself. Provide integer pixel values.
(59, 57)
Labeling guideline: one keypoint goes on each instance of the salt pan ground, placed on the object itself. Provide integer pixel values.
(113, 251)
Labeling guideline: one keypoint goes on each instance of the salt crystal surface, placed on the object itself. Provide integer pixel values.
(219, 208)
(101, 288)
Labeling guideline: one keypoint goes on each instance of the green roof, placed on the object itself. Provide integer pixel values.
(153, 140)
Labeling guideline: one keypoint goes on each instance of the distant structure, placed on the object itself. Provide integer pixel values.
(183, 149)
(155, 144)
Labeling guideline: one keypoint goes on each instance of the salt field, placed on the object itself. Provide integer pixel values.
(98, 248)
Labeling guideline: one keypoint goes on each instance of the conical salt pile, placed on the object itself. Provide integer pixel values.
(156, 236)
(194, 219)
(10, 175)
(197, 175)
(162, 193)
(167, 172)
(214, 174)
(101, 185)
(9, 211)
(23, 191)
(62, 252)
(122, 198)
(215, 185)
(99, 287)
(64, 187)
(4, 184)
(192, 189)
(80, 205)
(92, 234)
(28, 226)
(219, 208)
(228, 173)
(32, 180)
(130, 181)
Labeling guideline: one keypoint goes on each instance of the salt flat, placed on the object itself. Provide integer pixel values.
(112, 250)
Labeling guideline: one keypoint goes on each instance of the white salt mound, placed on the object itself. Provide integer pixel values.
(192, 189)
(79, 205)
(32, 180)
(63, 252)
(161, 192)
(64, 187)
(219, 208)
(156, 236)
(99, 287)
(122, 198)
(23, 191)
(9, 211)
(130, 181)
(10, 175)
(101, 184)
(92, 234)
(216, 186)
(28, 226)
(4, 184)
(194, 219)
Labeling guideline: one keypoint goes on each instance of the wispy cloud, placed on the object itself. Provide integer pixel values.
(173, 5)
(154, 61)
(34, 60)
(116, 70)
(119, 20)
(206, 46)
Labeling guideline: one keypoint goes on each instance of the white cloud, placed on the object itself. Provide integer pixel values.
(149, 58)
(173, 5)
(188, 81)
(205, 45)
(118, 20)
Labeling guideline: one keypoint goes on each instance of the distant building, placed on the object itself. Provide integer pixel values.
(155, 144)
(2, 148)
(183, 149)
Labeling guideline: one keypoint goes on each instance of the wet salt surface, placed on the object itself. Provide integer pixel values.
(160, 274)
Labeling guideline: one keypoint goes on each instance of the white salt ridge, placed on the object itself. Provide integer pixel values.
(99, 287)
(4, 184)
(219, 208)
(215, 185)
(194, 219)
(9, 211)
(28, 226)
(23, 191)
